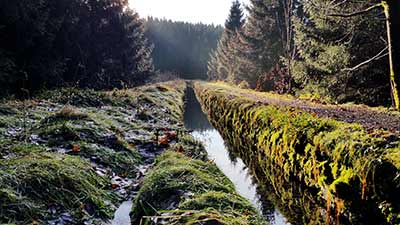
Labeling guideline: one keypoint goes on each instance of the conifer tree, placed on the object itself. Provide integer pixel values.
(343, 58)
(222, 63)
(260, 44)
(53, 43)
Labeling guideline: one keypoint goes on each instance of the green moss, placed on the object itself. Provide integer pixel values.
(341, 160)
(197, 187)
(38, 181)
(46, 145)
(217, 200)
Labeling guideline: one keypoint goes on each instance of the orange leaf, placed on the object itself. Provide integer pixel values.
(164, 141)
(76, 148)
(114, 186)
(314, 115)
(170, 134)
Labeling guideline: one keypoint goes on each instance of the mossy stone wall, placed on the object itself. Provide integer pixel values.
(341, 162)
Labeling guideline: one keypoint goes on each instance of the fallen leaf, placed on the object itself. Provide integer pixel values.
(247, 213)
(164, 140)
(314, 115)
(76, 148)
(171, 135)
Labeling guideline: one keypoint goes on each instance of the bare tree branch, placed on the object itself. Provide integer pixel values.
(357, 13)
(380, 55)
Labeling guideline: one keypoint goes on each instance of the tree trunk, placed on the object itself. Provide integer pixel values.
(392, 12)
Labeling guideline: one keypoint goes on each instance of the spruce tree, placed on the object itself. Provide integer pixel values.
(260, 44)
(336, 52)
(222, 63)
(53, 43)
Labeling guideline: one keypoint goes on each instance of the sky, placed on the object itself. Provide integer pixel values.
(205, 11)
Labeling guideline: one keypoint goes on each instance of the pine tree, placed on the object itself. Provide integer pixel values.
(222, 63)
(260, 44)
(334, 51)
(53, 43)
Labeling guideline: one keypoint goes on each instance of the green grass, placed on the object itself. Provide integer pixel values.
(48, 147)
(30, 184)
(199, 188)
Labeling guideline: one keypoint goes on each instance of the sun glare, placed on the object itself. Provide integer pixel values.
(205, 11)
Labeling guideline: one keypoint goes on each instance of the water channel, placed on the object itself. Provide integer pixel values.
(232, 166)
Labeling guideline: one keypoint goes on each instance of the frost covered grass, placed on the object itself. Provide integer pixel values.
(61, 151)
(182, 190)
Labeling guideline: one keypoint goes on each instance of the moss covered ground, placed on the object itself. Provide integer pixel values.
(183, 190)
(71, 156)
(353, 169)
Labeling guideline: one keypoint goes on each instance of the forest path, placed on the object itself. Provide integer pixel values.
(369, 117)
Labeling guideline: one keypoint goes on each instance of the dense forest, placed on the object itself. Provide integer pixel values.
(336, 50)
(47, 44)
(108, 117)
(286, 46)
(182, 48)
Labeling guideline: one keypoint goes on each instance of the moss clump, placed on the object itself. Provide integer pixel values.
(31, 184)
(195, 187)
(190, 147)
(61, 150)
(69, 113)
(340, 160)
(76, 97)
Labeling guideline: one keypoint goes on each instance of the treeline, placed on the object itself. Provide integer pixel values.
(337, 50)
(182, 48)
(84, 43)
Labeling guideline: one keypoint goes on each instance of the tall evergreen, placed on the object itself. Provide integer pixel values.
(336, 52)
(52, 43)
(222, 64)
(260, 44)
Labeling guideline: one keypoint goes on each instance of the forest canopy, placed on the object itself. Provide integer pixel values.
(54, 43)
(182, 48)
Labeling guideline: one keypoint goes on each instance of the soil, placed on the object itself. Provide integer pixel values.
(369, 118)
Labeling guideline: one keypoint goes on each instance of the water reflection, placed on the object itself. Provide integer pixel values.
(232, 166)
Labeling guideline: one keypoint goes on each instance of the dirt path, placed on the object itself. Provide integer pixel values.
(369, 118)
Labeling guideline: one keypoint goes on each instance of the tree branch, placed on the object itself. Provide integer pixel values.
(357, 13)
(376, 57)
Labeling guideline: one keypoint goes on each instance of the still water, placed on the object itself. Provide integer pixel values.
(232, 166)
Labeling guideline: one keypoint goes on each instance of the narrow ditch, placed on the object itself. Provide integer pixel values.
(233, 167)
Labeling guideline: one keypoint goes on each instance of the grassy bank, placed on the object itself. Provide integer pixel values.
(185, 187)
(343, 164)
(183, 190)
(71, 156)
